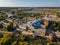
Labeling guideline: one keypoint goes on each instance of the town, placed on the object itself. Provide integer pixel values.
(29, 25)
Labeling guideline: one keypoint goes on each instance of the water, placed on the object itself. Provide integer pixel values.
(9, 15)
(1, 11)
(33, 11)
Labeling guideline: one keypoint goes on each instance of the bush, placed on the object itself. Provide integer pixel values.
(13, 43)
(1, 35)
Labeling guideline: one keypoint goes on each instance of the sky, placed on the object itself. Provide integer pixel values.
(29, 3)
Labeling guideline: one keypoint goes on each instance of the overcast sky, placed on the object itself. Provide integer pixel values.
(29, 3)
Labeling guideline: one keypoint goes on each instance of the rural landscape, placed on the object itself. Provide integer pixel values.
(29, 26)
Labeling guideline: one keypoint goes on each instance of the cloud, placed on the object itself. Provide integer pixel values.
(10, 3)
(4, 3)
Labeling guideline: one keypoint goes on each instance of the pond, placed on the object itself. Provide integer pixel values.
(9, 15)
(1, 11)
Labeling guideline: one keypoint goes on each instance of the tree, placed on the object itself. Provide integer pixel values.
(55, 26)
(1, 26)
(10, 27)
